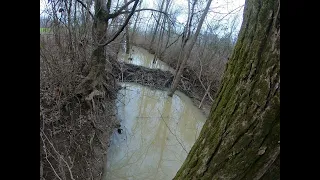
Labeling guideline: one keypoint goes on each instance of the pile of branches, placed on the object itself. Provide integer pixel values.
(154, 78)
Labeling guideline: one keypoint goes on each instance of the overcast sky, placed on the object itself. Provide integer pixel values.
(218, 8)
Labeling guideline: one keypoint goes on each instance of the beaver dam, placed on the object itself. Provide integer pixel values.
(141, 69)
(157, 131)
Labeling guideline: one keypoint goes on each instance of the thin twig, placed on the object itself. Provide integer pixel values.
(123, 25)
(85, 8)
(59, 155)
(45, 151)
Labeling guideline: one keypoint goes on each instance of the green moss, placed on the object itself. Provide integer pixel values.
(246, 113)
(259, 95)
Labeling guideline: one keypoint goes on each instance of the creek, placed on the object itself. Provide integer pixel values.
(157, 131)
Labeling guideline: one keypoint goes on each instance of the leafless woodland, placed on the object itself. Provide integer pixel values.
(78, 70)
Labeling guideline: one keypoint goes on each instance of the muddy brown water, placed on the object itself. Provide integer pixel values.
(157, 131)
(142, 57)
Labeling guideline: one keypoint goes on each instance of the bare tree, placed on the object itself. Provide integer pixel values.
(136, 21)
(156, 25)
(187, 48)
(100, 72)
(161, 35)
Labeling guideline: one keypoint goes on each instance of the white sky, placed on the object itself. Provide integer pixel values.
(42, 5)
(228, 5)
(220, 6)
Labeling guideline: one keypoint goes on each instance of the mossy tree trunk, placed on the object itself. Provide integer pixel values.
(241, 137)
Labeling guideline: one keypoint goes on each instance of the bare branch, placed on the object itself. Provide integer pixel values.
(113, 15)
(145, 9)
(45, 151)
(230, 12)
(149, 9)
(85, 8)
(123, 26)
(58, 154)
(173, 41)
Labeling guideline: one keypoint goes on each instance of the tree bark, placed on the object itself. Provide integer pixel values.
(96, 78)
(186, 53)
(241, 137)
(100, 78)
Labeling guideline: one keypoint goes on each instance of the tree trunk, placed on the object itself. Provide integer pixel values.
(127, 32)
(187, 52)
(160, 40)
(241, 137)
(100, 79)
(157, 26)
(136, 21)
(96, 78)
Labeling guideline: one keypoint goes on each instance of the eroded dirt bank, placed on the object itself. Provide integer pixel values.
(74, 134)
(74, 139)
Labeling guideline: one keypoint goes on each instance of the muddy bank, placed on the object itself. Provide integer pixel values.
(158, 79)
(74, 135)
(73, 140)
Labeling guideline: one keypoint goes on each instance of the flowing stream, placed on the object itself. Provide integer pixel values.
(157, 131)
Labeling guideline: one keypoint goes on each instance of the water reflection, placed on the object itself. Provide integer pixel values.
(142, 57)
(158, 133)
